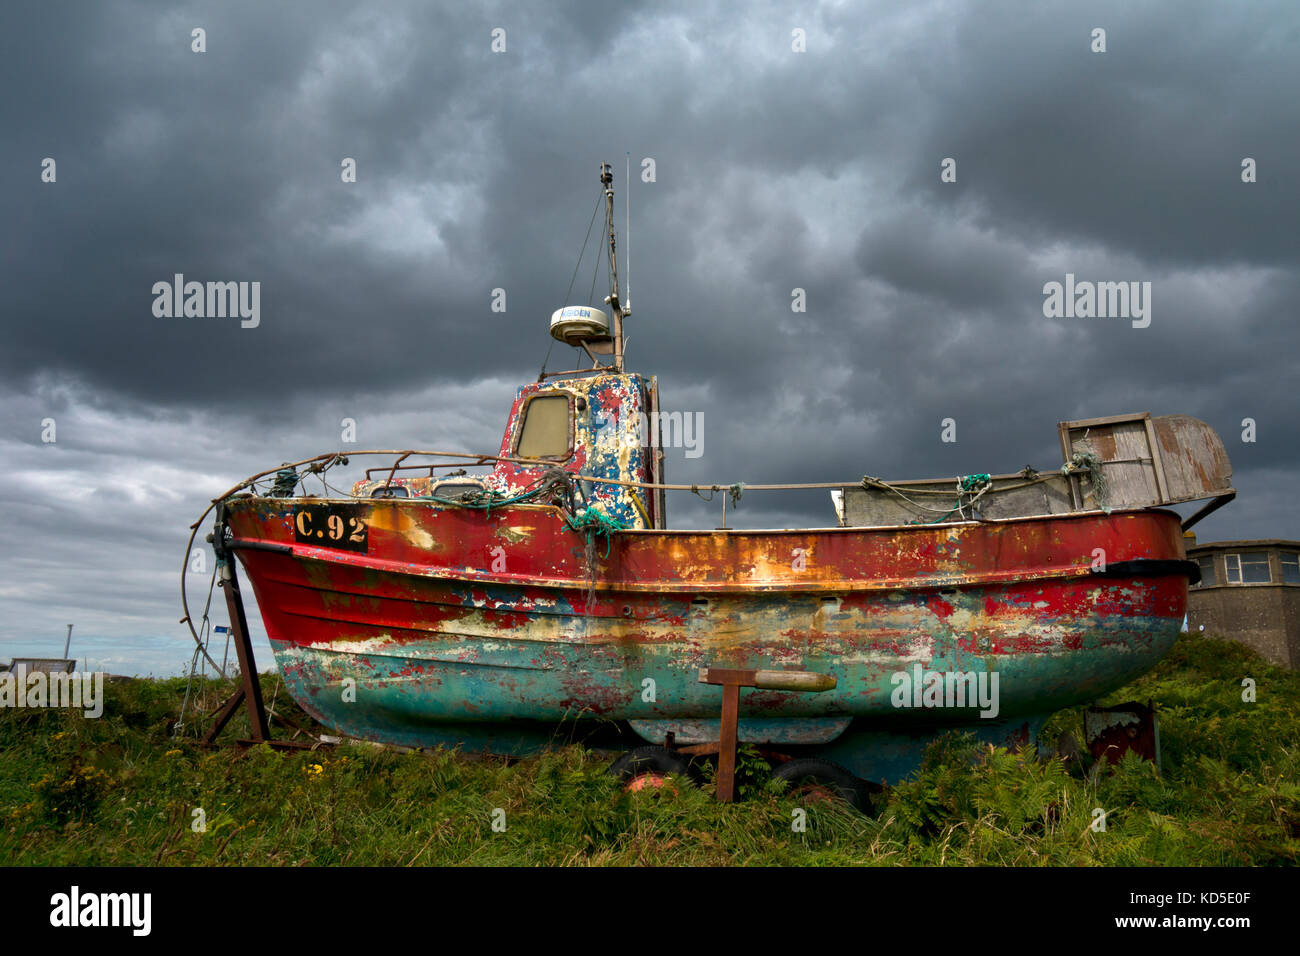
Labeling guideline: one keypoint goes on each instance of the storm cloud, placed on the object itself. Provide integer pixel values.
(776, 169)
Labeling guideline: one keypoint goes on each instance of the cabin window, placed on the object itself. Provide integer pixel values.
(1290, 568)
(390, 491)
(1207, 572)
(457, 489)
(544, 428)
(1249, 567)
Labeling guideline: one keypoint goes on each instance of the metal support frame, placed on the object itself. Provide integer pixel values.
(249, 691)
(1209, 509)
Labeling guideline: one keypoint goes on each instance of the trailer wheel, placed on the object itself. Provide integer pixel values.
(650, 767)
(815, 779)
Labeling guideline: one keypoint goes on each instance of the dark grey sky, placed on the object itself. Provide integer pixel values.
(775, 169)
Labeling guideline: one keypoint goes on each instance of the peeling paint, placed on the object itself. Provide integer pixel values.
(459, 625)
(434, 635)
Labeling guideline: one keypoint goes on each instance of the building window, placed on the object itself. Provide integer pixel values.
(1290, 567)
(1249, 567)
(1207, 572)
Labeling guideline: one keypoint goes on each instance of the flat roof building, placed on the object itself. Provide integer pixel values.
(1249, 592)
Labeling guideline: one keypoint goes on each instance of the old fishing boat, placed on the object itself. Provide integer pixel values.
(482, 600)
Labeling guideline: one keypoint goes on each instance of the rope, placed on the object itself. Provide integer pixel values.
(640, 508)
(555, 479)
(735, 491)
(205, 630)
(966, 485)
(286, 481)
(869, 482)
(593, 522)
(577, 265)
(595, 273)
(695, 490)
(1092, 464)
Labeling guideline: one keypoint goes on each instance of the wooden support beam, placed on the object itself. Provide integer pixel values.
(731, 680)
(252, 688)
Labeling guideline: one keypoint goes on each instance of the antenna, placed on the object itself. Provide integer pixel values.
(627, 236)
(587, 326)
(616, 305)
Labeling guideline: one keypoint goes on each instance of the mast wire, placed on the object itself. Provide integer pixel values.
(577, 265)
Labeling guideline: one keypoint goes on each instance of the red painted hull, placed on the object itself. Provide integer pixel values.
(463, 616)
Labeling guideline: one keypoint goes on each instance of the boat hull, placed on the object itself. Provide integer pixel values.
(488, 629)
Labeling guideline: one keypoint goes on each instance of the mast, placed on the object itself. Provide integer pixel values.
(597, 334)
(619, 311)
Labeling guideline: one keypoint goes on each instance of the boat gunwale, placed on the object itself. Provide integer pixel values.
(1020, 574)
(528, 506)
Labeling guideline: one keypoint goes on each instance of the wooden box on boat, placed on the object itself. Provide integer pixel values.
(1143, 462)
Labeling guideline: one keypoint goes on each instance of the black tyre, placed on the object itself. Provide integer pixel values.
(810, 777)
(655, 762)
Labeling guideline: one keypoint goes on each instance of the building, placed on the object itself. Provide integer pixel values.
(1249, 592)
(20, 667)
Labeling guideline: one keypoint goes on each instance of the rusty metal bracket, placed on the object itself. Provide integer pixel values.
(1209, 509)
(731, 680)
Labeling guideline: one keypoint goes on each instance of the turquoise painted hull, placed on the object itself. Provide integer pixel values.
(420, 656)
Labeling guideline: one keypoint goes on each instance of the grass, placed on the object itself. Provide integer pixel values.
(120, 791)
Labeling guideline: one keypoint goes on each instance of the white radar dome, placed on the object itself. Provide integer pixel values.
(575, 324)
